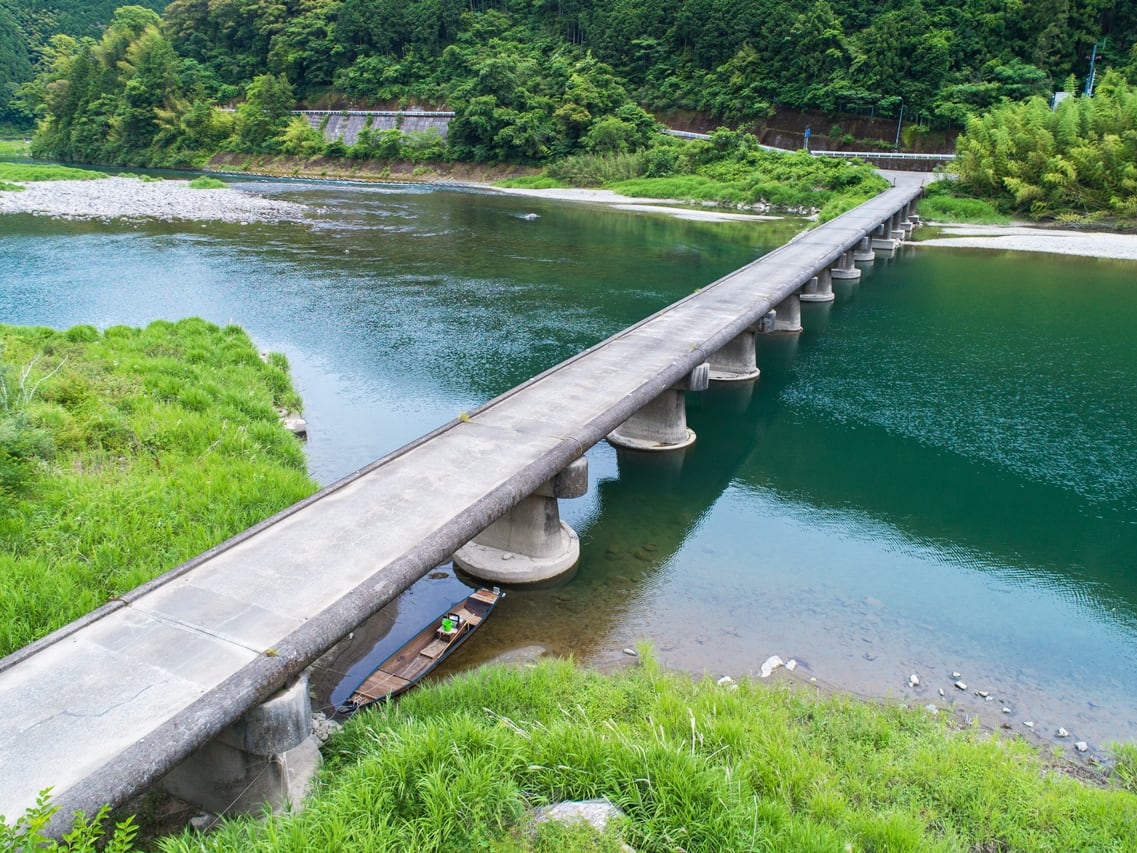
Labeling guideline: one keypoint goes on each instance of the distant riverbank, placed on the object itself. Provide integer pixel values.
(1026, 238)
(170, 200)
(133, 198)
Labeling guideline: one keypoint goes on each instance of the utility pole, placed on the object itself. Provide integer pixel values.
(896, 145)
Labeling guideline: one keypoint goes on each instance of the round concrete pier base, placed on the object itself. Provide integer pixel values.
(864, 257)
(631, 443)
(487, 563)
(817, 297)
(730, 376)
(845, 273)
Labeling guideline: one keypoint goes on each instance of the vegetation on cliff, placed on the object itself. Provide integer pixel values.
(127, 452)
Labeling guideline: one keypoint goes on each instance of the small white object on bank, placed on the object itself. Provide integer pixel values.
(1081, 746)
(913, 680)
(1061, 732)
(961, 685)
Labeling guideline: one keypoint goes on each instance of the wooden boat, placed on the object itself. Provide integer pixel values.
(424, 651)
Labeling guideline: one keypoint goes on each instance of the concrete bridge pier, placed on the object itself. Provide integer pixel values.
(263, 760)
(863, 254)
(896, 227)
(738, 360)
(818, 289)
(530, 543)
(844, 268)
(882, 238)
(787, 317)
(662, 423)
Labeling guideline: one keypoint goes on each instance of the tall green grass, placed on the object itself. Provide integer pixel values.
(729, 170)
(45, 172)
(942, 203)
(694, 767)
(125, 453)
(14, 148)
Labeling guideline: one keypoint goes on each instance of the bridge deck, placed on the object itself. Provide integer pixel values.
(107, 705)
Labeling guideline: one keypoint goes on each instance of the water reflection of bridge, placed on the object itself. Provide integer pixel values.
(125, 694)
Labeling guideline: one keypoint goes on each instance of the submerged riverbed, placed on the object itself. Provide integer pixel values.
(938, 477)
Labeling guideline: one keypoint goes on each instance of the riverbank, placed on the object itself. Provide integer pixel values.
(709, 765)
(134, 198)
(1026, 238)
(171, 200)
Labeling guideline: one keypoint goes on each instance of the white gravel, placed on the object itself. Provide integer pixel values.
(1023, 238)
(131, 198)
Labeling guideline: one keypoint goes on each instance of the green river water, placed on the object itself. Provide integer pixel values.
(939, 476)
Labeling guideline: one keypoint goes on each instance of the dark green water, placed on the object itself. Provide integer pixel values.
(939, 476)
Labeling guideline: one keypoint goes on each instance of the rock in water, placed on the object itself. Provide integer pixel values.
(771, 663)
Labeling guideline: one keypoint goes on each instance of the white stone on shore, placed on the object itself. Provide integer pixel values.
(771, 663)
(913, 680)
(1061, 732)
(131, 198)
(960, 685)
(1081, 746)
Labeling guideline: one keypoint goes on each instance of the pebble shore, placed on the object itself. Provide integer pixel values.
(131, 198)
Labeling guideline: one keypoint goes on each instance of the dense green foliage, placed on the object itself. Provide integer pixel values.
(125, 453)
(730, 169)
(944, 201)
(87, 835)
(729, 58)
(697, 767)
(1076, 161)
(26, 26)
(533, 82)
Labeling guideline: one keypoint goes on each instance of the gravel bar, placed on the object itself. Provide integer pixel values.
(131, 198)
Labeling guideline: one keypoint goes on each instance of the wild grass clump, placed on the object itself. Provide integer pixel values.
(14, 148)
(694, 767)
(5, 186)
(125, 453)
(731, 170)
(942, 202)
(45, 172)
(205, 182)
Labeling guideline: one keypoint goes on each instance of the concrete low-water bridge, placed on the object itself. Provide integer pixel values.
(197, 680)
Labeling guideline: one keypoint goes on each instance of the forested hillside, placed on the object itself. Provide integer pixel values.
(537, 81)
(733, 59)
(26, 26)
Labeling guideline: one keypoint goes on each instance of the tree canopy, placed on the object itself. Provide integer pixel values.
(531, 80)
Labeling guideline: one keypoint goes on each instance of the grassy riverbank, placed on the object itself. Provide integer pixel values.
(694, 767)
(125, 453)
(729, 171)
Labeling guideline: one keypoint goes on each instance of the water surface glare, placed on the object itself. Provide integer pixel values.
(938, 476)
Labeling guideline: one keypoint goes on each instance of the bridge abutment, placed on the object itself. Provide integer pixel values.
(662, 423)
(530, 543)
(263, 760)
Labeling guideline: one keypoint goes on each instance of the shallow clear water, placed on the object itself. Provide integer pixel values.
(939, 476)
